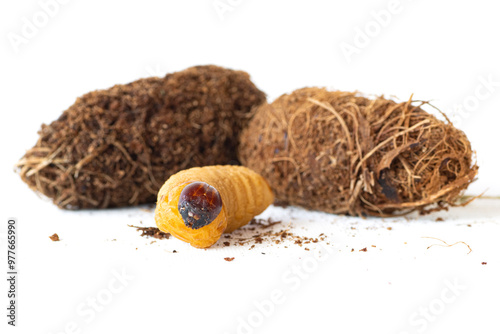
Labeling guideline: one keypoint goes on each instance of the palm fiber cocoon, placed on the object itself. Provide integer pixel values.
(343, 153)
(116, 147)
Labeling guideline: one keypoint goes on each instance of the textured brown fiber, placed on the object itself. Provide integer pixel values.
(343, 153)
(116, 147)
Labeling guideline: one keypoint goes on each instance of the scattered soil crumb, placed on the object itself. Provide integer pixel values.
(229, 259)
(174, 251)
(152, 232)
(439, 219)
(389, 228)
(54, 237)
(374, 246)
(263, 235)
(259, 226)
(363, 250)
(484, 263)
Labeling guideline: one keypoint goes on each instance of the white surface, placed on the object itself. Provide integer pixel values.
(440, 51)
(383, 290)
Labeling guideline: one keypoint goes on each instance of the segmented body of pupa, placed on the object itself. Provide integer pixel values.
(197, 205)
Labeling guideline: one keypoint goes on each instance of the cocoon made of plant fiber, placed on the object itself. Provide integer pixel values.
(116, 147)
(343, 153)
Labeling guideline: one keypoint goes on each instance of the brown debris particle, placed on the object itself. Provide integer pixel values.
(484, 263)
(439, 219)
(54, 237)
(363, 250)
(152, 232)
(229, 259)
(258, 240)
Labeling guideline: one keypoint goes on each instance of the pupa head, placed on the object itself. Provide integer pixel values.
(193, 212)
(199, 204)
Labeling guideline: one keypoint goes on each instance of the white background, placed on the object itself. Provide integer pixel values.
(441, 51)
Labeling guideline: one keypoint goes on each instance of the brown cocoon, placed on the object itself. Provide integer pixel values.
(343, 153)
(116, 147)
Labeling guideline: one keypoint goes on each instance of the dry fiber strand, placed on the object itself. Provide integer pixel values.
(116, 147)
(343, 153)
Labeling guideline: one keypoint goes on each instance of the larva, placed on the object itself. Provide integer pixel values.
(197, 205)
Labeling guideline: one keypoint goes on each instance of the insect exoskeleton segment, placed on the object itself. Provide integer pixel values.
(198, 205)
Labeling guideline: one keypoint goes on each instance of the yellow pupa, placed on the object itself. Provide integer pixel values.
(197, 205)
